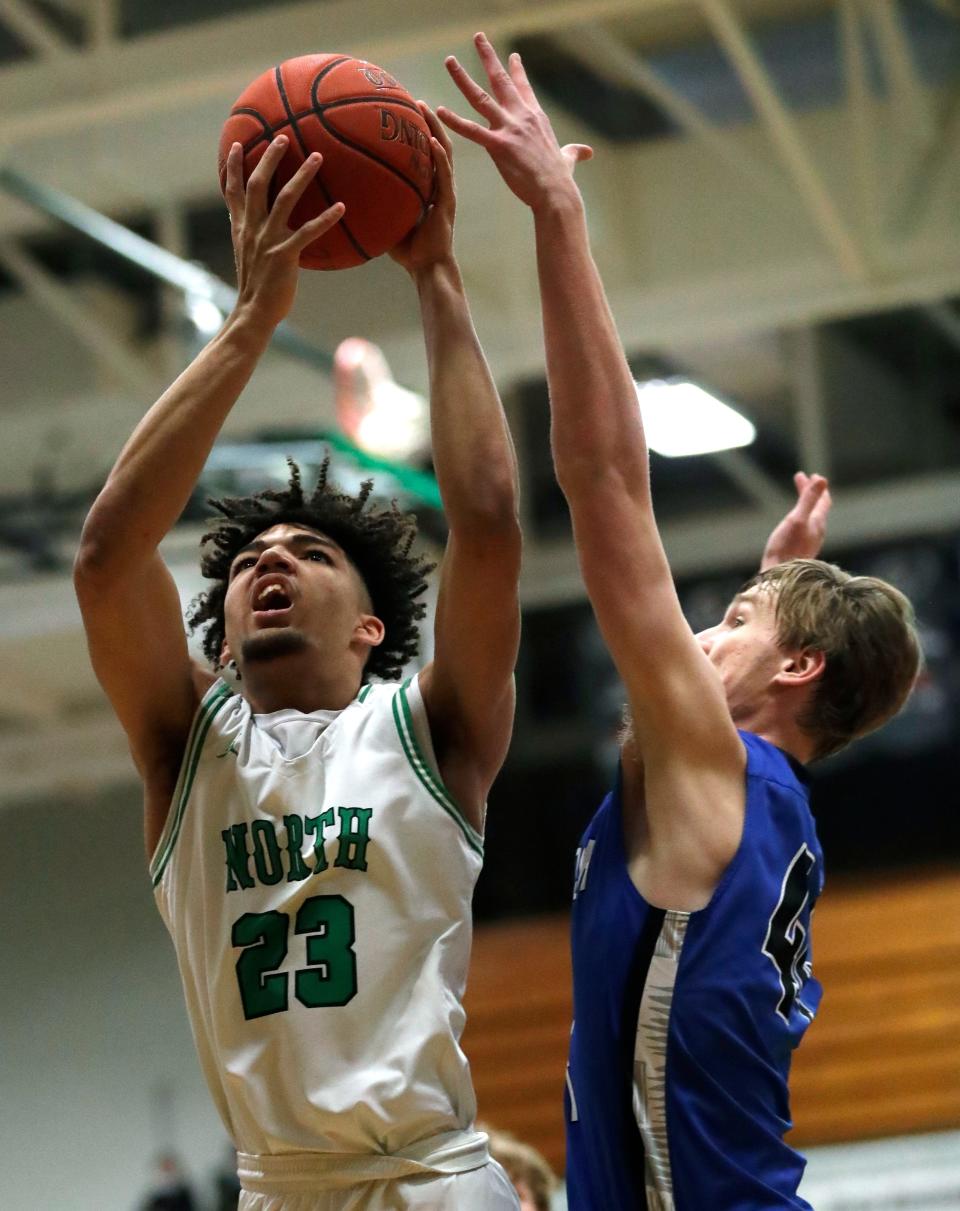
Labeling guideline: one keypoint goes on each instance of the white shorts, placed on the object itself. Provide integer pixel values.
(485, 1189)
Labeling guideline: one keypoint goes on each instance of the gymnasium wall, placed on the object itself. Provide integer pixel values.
(98, 1070)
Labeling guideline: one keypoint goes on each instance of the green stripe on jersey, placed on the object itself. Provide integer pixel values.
(411, 748)
(209, 708)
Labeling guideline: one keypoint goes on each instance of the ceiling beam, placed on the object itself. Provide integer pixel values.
(618, 62)
(34, 30)
(802, 346)
(166, 266)
(782, 128)
(932, 172)
(171, 71)
(102, 23)
(912, 105)
(860, 110)
(758, 485)
(65, 306)
(886, 511)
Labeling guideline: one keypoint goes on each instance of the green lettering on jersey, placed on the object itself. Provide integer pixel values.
(238, 858)
(354, 835)
(298, 868)
(316, 825)
(266, 852)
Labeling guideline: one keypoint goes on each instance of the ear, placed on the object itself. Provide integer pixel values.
(225, 656)
(369, 631)
(801, 668)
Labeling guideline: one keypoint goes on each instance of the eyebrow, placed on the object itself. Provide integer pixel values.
(300, 539)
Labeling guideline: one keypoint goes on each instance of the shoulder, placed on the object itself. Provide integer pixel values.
(769, 764)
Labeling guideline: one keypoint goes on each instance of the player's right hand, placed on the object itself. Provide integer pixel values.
(265, 250)
(800, 535)
(431, 241)
(519, 138)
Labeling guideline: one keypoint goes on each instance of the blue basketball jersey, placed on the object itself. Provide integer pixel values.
(684, 1022)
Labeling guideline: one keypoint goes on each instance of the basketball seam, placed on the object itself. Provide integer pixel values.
(424, 202)
(320, 108)
(270, 131)
(303, 149)
(365, 101)
(325, 70)
(267, 132)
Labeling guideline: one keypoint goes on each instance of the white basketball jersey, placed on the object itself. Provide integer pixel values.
(316, 878)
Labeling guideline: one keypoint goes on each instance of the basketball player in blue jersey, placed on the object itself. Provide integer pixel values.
(696, 879)
(314, 836)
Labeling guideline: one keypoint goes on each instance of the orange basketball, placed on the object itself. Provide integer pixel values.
(374, 141)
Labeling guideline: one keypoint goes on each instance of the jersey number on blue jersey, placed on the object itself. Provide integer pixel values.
(786, 943)
(331, 975)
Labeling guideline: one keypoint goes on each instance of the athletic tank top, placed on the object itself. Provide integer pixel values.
(316, 878)
(684, 1023)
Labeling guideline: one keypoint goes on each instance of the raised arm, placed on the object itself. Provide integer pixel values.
(130, 606)
(468, 688)
(692, 782)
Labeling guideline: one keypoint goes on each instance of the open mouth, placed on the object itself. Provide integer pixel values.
(272, 600)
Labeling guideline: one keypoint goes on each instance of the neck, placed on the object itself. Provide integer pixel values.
(792, 740)
(288, 683)
(774, 723)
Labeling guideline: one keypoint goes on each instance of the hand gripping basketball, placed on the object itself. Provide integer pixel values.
(432, 241)
(266, 251)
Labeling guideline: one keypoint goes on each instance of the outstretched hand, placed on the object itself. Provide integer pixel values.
(519, 138)
(801, 533)
(265, 250)
(431, 241)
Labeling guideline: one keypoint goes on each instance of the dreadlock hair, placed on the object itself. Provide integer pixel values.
(376, 540)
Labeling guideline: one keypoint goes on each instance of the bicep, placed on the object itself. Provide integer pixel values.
(138, 648)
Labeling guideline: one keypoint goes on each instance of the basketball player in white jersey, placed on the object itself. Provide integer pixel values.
(314, 837)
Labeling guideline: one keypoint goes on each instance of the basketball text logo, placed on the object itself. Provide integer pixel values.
(394, 129)
(378, 77)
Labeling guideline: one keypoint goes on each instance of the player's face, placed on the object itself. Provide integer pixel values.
(290, 589)
(743, 649)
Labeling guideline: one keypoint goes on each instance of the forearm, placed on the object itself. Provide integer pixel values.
(158, 468)
(473, 452)
(596, 421)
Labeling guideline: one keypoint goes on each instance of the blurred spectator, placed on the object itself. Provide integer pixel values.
(170, 1191)
(533, 1179)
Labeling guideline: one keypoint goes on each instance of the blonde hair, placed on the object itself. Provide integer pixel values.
(866, 630)
(523, 1164)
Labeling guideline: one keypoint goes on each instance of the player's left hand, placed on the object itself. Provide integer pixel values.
(519, 138)
(801, 533)
(431, 241)
(266, 252)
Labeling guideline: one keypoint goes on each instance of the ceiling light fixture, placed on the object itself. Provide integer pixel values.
(680, 419)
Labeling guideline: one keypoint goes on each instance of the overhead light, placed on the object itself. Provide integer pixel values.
(203, 313)
(680, 418)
